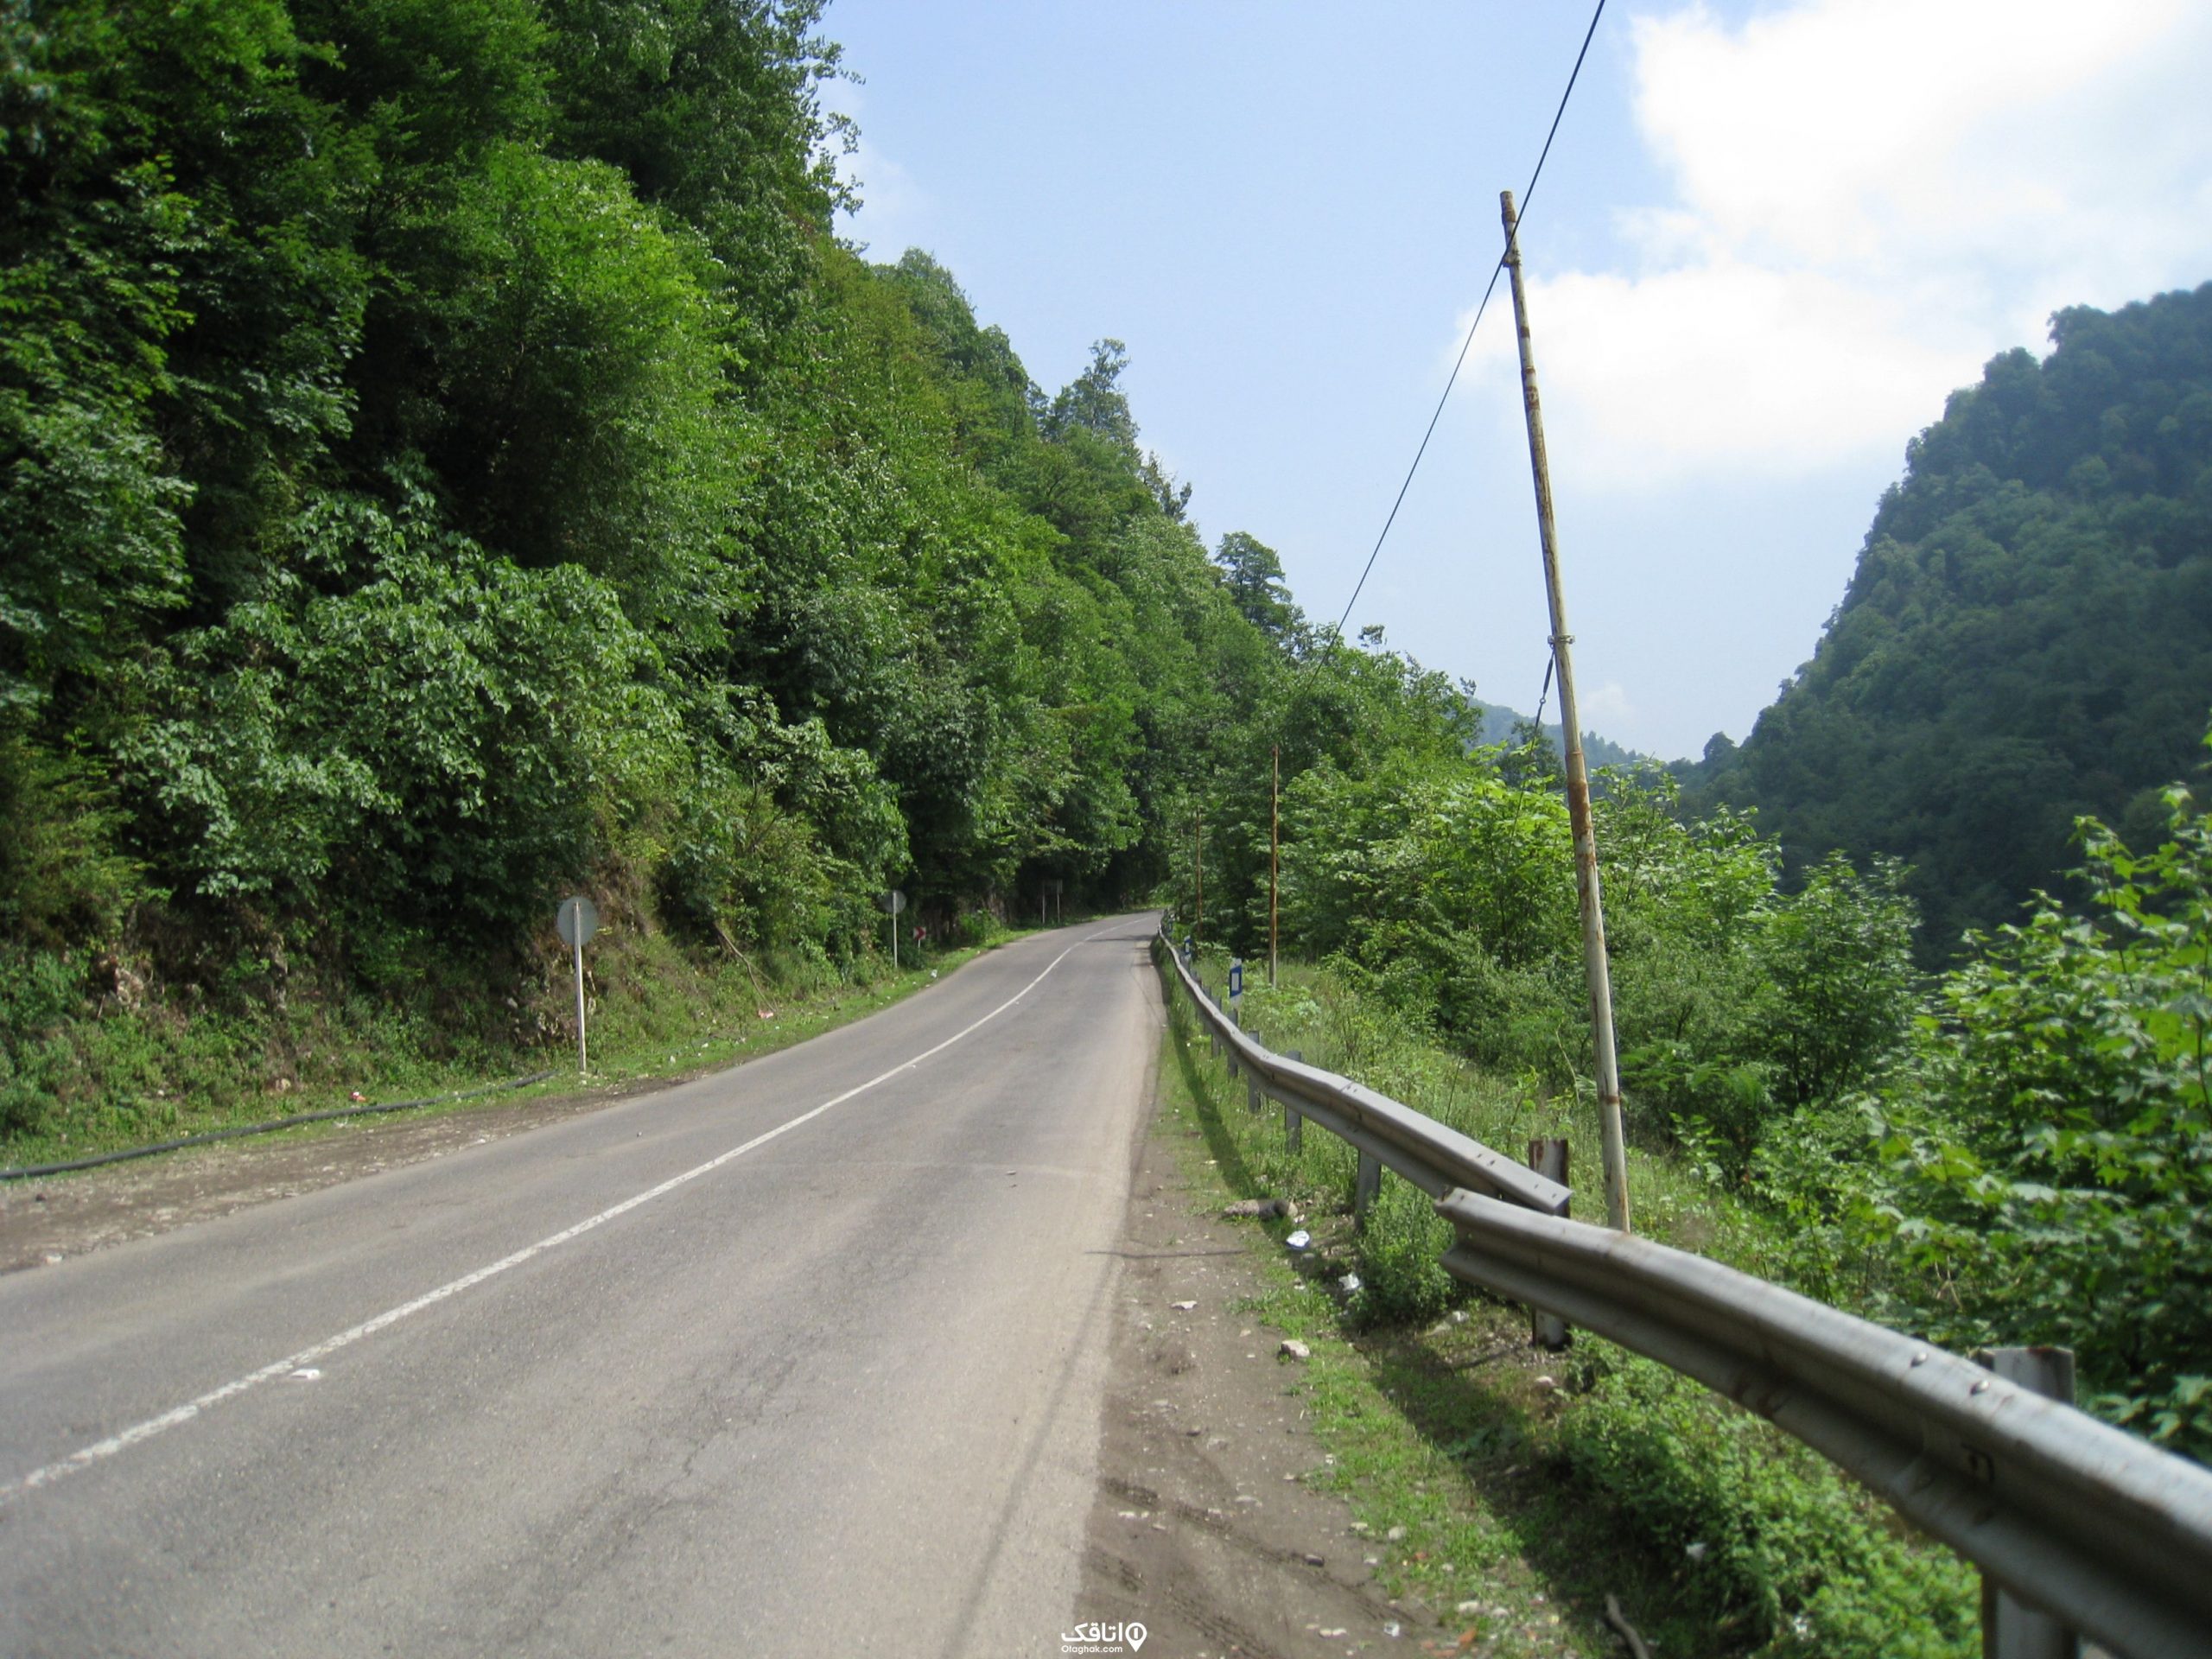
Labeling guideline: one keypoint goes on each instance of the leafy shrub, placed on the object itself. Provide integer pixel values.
(1400, 1249)
(433, 740)
(1784, 1554)
(1840, 984)
(1802, 998)
(39, 993)
(62, 880)
(2047, 1166)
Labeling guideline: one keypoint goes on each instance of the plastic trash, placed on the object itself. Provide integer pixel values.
(1298, 1240)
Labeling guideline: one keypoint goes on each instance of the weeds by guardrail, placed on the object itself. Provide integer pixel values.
(2098, 1529)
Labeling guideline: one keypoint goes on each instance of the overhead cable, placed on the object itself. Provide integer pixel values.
(1336, 631)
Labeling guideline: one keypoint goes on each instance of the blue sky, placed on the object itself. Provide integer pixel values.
(1769, 241)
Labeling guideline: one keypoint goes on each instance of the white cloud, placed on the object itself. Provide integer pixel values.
(1728, 363)
(1609, 702)
(1870, 198)
(894, 210)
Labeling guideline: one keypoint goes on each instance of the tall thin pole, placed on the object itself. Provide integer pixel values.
(583, 1054)
(1274, 866)
(1198, 865)
(1594, 966)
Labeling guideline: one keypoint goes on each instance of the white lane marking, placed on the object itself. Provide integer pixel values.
(137, 1433)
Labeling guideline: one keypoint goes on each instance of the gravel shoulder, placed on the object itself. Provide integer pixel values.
(1205, 1528)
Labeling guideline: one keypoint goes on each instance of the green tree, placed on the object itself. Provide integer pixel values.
(1257, 588)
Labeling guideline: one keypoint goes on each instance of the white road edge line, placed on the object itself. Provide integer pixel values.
(137, 1433)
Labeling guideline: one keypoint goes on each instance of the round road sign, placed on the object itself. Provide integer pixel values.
(578, 919)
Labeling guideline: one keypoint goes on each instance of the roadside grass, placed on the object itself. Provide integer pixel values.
(1336, 1029)
(1529, 1485)
(155, 1072)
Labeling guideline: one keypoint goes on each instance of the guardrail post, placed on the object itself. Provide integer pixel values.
(1548, 1157)
(1213, 1037)
(1252, 1093)
(1369, 1186)
(2010, 1628)
(1292, 1122)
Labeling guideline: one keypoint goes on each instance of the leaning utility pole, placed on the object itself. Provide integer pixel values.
(1274, 866)
(1594, 966)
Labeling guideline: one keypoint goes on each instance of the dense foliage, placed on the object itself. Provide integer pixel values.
(2038, 1167)
(445, 458)
(1441, 880)
(2028, 637)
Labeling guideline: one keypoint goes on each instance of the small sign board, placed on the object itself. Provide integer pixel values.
(1235, 976)
(578, 919)
(894, 902)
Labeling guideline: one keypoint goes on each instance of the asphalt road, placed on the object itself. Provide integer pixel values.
(803, 1358)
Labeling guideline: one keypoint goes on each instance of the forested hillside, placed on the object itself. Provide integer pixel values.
(1500, 724)
(2028, 637)
(446, 459)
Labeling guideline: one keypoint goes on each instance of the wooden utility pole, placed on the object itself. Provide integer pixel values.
(1594, 966)
(1198, 865)
(1274, 867)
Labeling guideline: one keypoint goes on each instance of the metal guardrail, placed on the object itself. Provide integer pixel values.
(2109, 1533)
(1435, 1158)
(2098, 1528)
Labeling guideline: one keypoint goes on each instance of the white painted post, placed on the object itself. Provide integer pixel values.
(576, 920)
(583, 1054)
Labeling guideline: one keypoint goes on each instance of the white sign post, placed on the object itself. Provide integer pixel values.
(892, 904)
(578, 919)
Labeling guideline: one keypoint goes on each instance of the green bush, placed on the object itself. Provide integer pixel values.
(62, 880)
(40, 994)
(2046, 1165)
(1781, 1554)
(1400, 1248)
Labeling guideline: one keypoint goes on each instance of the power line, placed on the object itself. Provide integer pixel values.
(1337, 630)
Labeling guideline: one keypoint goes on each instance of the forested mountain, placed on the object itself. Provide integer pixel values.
(2028, 636)
(1500, 724)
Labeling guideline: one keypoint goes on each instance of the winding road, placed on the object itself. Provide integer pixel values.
(803, 1358)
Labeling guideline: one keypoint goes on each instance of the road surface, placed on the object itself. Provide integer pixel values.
(805, 1357)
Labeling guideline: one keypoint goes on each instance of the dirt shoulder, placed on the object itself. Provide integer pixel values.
(1206, 1527)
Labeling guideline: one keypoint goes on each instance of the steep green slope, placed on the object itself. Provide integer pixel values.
(2028, 637)
(447, 459)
